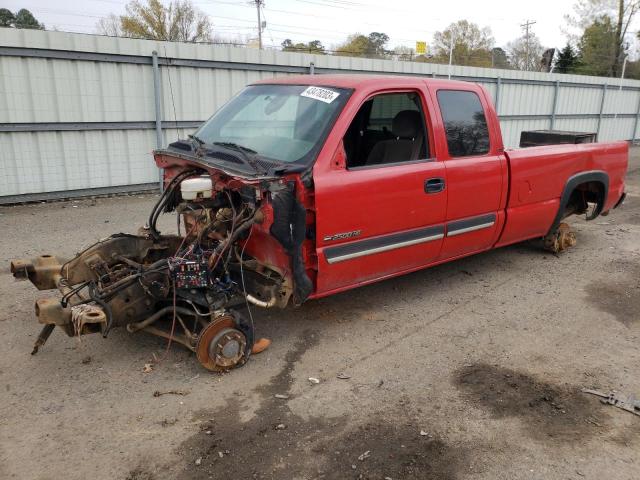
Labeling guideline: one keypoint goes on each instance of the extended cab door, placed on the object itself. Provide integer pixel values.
(381, 198)
(471, 150)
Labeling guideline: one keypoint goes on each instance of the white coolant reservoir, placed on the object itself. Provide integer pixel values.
(198, 187)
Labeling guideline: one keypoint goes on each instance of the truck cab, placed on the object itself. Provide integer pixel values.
(413, 174)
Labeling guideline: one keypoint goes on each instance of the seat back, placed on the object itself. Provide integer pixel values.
(409, 136)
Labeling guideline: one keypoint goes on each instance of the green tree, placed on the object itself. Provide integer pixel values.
(621, 14)
(7, 18)
(372, 46)
(567, 60)
(314, 46)
(355, 45)
(179, 21)
(597, 48)
(471, 44)
(633, 70)
(499, 58)
(377, 43)
(23, 19)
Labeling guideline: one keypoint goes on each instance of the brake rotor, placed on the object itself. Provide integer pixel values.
(221, 346)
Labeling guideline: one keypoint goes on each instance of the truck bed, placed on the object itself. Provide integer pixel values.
(538, 176)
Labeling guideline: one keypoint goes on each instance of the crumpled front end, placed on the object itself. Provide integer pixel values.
(240, 243)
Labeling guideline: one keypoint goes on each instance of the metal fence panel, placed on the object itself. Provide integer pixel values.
(614, 129)
(579, 100)
(577, 125)
(60, 161)
(511, 130)
(77, 111)
(620, 101)
(530, 99)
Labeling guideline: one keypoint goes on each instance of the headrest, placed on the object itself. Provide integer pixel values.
(407, 124)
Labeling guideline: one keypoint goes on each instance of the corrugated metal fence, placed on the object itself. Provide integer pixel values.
(82, 113)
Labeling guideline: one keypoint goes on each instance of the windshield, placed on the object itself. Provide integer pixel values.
(285, 123)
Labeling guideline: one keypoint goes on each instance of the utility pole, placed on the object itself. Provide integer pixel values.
(624, 67)
(259, 4)
(453, 39)
(526, 26)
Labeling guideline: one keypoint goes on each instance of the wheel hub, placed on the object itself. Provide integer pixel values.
(227, 347)
(221, 346)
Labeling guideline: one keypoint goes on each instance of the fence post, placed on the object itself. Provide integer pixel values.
(312, 68)
(604, 96)
(158, 109)
(555, 104)
(635, 123)
(496, 102)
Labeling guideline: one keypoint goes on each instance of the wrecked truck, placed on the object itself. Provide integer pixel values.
(307, 186)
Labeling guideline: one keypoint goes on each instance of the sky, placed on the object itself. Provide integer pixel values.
(405, 21)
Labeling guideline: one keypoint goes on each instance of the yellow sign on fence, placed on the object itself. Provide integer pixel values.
(421, 48)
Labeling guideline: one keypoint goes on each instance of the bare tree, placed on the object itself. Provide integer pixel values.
(525, 55)
(404, 53)
(109, 26)
(471, 44)
(236, 40)
(178, 21)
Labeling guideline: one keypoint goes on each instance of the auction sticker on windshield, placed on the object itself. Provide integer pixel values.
(323, 94)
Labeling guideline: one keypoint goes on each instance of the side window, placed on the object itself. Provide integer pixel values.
(388, 128)
(464, 123)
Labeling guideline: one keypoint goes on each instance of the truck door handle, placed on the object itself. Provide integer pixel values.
(434, 185)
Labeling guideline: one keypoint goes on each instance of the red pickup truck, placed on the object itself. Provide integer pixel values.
(306, 186)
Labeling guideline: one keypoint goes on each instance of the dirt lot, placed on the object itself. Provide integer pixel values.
(467, 370)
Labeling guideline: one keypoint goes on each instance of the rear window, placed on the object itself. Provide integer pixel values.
(464, 123)
(385, 107)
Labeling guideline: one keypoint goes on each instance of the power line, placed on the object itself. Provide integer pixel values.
(286, 28)
(291, 29)
(418, 30)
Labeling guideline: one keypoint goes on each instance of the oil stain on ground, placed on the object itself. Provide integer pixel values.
(277, 444)
(618, 295)
(551, 412)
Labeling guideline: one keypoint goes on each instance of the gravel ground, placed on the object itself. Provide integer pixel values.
(467, 370)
